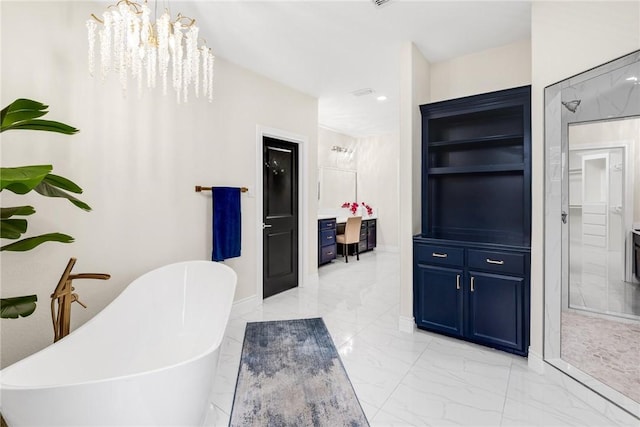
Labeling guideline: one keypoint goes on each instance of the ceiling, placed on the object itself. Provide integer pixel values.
(329, 49)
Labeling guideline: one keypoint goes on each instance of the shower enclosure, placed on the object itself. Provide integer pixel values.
(592, 206)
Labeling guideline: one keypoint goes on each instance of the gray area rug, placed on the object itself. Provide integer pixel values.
(291, 375)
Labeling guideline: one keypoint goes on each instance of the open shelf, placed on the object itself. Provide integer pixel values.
(513, 167)
(486, 122)
(475, 141)
(476, 168)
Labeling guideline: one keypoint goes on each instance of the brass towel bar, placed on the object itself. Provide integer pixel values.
(200, 188)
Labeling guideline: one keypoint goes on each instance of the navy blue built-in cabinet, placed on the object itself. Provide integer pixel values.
(472, 259)
(326, 240)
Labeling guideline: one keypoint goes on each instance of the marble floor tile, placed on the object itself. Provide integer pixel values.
(403, 379)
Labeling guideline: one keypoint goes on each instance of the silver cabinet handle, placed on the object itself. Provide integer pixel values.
(266, 226)
(491, 261)
(329, 237)
(458, 281)
(329, 253)
(472, 283)
(437, 255)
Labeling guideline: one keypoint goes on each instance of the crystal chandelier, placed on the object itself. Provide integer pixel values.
(131, 44)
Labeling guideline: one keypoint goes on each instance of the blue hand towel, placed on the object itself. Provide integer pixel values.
(226, 223)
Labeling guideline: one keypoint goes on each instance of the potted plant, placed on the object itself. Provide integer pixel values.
(25, 114)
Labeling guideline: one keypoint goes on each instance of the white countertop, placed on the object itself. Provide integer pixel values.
(343, 218)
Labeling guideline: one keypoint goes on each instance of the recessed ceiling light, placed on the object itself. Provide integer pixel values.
(381, 98)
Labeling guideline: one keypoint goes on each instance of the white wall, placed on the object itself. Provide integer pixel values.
(137, 160)
(414, 91)
(333, 159)
(480, 72)
(566, 39)
(375, 159)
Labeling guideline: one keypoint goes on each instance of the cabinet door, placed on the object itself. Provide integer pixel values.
(495, 312)
(438, 292)
(371, 235)
(363, 237)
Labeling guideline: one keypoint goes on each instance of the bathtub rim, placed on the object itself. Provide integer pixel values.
(12, 387)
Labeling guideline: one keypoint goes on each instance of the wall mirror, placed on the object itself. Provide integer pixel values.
(592, 198)
(336, 186)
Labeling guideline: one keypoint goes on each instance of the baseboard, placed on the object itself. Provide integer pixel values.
(385, 248)
(245, 305)
(406, 324)
(535, 362)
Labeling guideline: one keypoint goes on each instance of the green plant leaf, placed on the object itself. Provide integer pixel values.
(12, 228)
(31, 242)
(16, 210)
(20, 116)
(45, 125)
(63, 183)
(12, 308)
(23, 114)
(23, 179)
(46, 188)
(21, 104)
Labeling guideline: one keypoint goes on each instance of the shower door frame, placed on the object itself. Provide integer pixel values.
(556, 234)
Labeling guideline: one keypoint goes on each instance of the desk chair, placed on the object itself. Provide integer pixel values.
(351, 235)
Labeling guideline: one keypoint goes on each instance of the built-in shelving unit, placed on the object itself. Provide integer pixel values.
(472, 259)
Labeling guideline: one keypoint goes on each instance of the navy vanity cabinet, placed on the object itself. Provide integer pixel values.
(495, 311)
(472, 257)
(362, 245)
(438, 294)
(371, 234)
(474, 293)
(326, 240)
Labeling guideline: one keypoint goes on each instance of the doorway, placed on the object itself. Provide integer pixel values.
(280, 215)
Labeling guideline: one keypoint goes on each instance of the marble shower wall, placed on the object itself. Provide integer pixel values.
(609, 91)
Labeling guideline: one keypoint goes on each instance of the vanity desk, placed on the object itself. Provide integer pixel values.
(329, 226)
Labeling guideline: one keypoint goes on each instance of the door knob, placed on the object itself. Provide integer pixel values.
(564, 217)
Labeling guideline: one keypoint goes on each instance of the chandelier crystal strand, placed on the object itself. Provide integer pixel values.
(119, 30)
(105, 45)
(196, 73)
(130, 44)
(204, 55)
(211, 58)
(175, 48)
(191, 61)
(162, 28)
(91, 38)
(151, 66)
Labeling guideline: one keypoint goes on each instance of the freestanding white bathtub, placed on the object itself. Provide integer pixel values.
(148, 358)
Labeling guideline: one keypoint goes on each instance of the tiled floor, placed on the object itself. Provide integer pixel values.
(605, 348)
(419, 379)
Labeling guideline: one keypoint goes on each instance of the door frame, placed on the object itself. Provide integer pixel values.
(629, 153)
(303, 202)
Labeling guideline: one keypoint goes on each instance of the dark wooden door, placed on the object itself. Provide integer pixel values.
(280, 216)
